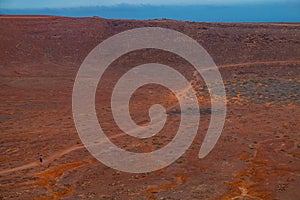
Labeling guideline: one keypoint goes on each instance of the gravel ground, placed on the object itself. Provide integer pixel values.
(268, 90)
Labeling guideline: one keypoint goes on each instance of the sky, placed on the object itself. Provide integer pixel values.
(21, 4)
(188, 10)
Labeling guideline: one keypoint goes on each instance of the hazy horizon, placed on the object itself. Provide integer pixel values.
(205, 11)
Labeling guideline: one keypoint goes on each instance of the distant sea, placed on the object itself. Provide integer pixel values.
(278, 12)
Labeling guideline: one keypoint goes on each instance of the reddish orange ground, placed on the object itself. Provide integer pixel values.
(257, 156)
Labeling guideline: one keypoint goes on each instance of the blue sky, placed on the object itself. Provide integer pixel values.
(189, 10)
(22, 4)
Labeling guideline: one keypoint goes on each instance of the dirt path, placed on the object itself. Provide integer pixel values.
(248, 64)
(51, 158)
(48, 160)
(76, 147)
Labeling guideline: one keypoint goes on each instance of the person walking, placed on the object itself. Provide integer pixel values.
(41, 158)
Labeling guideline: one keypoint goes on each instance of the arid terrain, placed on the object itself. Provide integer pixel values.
(257, 156)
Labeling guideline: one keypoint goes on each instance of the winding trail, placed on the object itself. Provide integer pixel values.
(249, 64)
(76, 147)
(48, 160)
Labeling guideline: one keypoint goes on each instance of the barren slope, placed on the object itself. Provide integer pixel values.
(257, 156)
